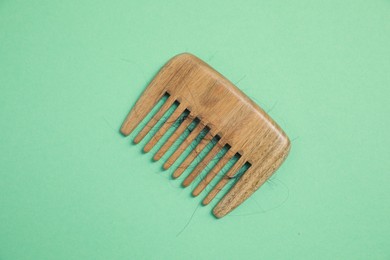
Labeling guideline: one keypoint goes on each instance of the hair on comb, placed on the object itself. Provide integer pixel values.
(220, 111)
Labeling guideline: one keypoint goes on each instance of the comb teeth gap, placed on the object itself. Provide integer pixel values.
(232, 180)
(217, 147)
(182, 124)
(243, 170)
(204, 140)
(165, 126)
(193, 134)
(234, 173)
(156, 118)
(223, 160)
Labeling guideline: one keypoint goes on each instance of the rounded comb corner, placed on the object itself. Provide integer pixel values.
(285, 141)
(284, 144)
(185, 56)
(217, 213)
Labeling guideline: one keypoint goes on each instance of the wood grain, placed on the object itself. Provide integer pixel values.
(228, 113)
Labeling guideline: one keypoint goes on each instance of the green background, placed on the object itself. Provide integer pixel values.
(71, 187)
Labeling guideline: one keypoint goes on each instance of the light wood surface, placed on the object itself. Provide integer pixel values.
(228, 113)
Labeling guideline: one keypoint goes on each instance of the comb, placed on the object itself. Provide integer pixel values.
(225, 113)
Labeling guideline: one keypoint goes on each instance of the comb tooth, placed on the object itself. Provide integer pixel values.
(245, 185)
(183, 146)
(210, 176)
(164, 128)
(151, 95)
(193, 154)
(142, 107)
(225, 179)
(168, 103)
(172, 139)
(205, 161)
(168, 75)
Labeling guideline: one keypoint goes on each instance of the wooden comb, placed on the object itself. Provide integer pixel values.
(220, 107)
